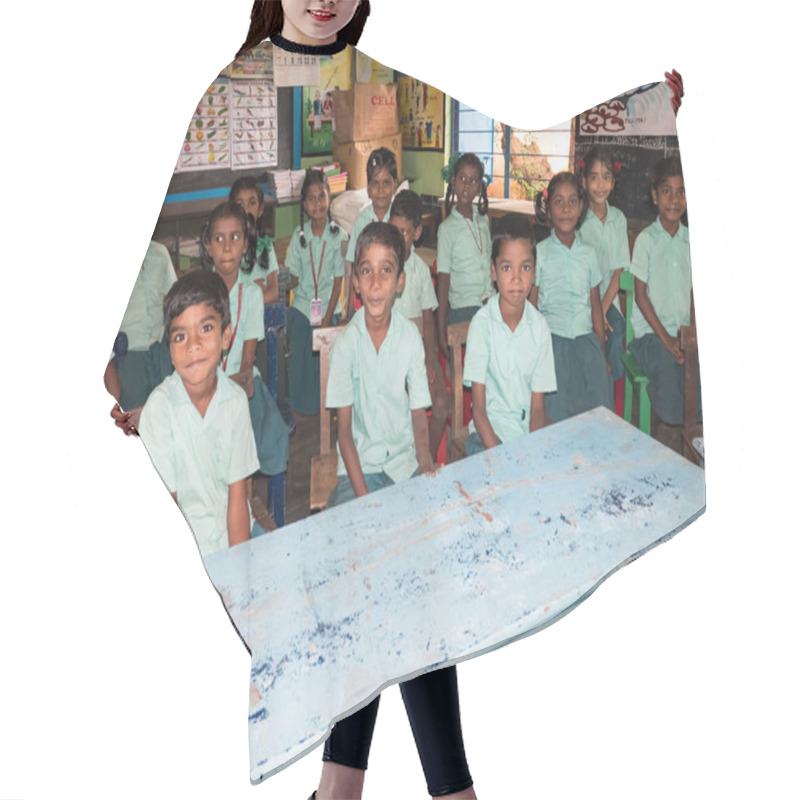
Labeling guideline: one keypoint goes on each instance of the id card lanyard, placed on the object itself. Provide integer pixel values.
(315, 316)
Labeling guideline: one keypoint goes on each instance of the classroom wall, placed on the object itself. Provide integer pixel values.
(426, 169)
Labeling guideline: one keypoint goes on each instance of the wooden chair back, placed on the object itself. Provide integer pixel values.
(458, 431)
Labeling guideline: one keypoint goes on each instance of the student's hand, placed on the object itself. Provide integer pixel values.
(126, 421)
(445, 352)
(343, 321)
(245, 379)
(607, 324)
(429, 467)
(432, 368)
(675, 82)
(673, 345)
(608, 367)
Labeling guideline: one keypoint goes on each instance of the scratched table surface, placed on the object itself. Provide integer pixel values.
(432, 571)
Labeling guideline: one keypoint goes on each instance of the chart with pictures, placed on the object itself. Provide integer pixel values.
(207, 143)
(254, 124)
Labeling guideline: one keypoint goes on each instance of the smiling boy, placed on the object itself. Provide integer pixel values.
(378, 382)
(196, 424)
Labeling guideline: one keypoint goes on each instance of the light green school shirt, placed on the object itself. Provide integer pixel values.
(247, 320)
(374, 384)
(565, 277)
(143, 321)
(418, 294)
(298, 261)
(610, 242)
(199, 457)
(664, 264)
(511, 365)
(365, 216)
(464, 252)
(259, 273)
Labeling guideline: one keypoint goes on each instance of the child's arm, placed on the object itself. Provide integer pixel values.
(691, 312)
(347, 447)
(537, 411)
(611, 293)
(598, 317)
(238, 514)
(419, 424)
(533, 297)
(269, 288)
(672, 343)
(481, 418)
(429, 340)
(335, 294)
(443, 296)
(293, 281)
(248, 355)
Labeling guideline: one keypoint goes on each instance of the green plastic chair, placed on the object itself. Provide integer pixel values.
(635, 379)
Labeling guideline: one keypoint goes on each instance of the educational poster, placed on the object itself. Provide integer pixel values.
(207, 144)
(368, 70)
(296, 69)
(255, 63)
(644, 111)
(317, 109)
(254, 124)
(421, 114)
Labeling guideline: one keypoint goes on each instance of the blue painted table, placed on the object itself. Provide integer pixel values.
(436, 570)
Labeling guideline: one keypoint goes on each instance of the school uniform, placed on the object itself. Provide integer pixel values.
(610, 241)
(321, 261)
(145, 361)
(365, 216)
(663, 262)
(565, 277)
(511, 365)
(198, 457)
(383, 388)
(418, 294)
(464, 252)
(247, 322)
(260, 272)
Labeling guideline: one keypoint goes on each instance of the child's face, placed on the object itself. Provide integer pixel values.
(466, 185)
(314, 19)
(381, 189)
(316, 202)
(410, 233)
(513, 271)
(196, 342)
(377, 279)
(248, 200)
(598, 183)
(565, 208)
(670, 200)
(226, 246)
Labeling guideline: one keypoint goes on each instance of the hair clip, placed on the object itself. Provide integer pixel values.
(544, 193)
(581, 163)
(617, 167)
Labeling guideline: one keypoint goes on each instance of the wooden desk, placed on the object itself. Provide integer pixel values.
(435, 570)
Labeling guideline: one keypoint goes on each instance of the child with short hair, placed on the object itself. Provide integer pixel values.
(567, 292)
(662, 272)
(463, 250)
(260, 264)
(509, 360)
(195, 424)
(382, 181)
(316, 269)
(417, 302)
(605, 228)
(379, 387)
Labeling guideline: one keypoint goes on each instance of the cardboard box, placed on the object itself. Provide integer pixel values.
(368, 111)
(352, 157)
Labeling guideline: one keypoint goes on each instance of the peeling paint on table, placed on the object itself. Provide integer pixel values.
(432, 571)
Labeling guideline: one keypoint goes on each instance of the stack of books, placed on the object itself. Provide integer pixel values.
(337, 180)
